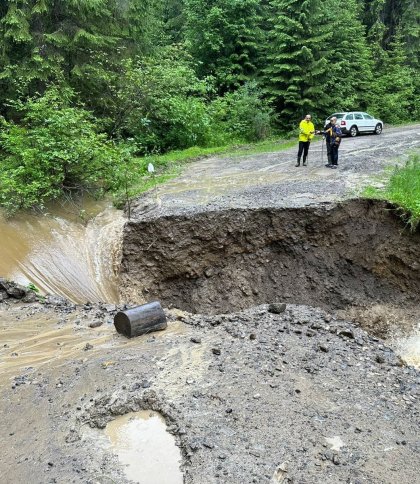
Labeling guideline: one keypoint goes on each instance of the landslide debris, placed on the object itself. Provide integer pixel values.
(249, 395)
(336, 256)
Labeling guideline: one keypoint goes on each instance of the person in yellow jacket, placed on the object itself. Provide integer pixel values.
(307, 131)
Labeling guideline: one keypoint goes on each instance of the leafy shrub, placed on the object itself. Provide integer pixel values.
(56, 147)
(241, 115)
(162, 105)
(159, 102)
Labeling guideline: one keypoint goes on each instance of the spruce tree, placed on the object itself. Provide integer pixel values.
(55, 40)
(224, 37)
(296, 69)
(317, 59)
(394, 96)
(349, 58)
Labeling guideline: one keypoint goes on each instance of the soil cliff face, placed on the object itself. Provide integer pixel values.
(334, 255)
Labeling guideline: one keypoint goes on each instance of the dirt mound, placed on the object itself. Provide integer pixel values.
(356, 253)
(248, 395)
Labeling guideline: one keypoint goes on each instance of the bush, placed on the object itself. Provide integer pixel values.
(55, 148)
(241, 115)
(185, 122)
(162, 105)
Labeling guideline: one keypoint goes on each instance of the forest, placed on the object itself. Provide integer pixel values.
(87, 86)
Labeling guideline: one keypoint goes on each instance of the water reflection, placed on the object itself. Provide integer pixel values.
(145, 449)
(61, 254)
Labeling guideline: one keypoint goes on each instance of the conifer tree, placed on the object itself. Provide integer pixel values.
(296, 70)
(349, 58)
(56, 40)
(394, 95)
(317, 59)
(410, 29)
(224, 37)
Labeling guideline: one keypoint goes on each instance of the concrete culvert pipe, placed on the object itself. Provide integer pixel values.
(140, 320)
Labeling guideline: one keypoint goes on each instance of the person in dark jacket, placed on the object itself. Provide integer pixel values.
(332, 134)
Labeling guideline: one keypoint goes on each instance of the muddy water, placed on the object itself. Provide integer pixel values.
(39, 339)
(31, 341)
(62, 255)
(145, 449)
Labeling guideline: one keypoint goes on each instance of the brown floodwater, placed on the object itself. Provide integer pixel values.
(64, 254)
(31, 341)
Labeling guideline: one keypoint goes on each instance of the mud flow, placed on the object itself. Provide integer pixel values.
(60, 254)
(355, 256)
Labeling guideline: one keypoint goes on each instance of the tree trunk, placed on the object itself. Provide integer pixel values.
(140, 320)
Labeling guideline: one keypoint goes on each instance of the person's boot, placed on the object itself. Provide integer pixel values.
(304, 162)
(297, 163)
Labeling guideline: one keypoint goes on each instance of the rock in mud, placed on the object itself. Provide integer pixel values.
(13, 290)
(277, 308)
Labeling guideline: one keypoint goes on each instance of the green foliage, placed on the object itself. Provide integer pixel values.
(161, 104)
(56, 147)
(43, 41)
(318, 61)
(403, 189)
(33, 288)
(225, 38)
(395, 94)
(158, 102)
(295, 70)
(241, 115)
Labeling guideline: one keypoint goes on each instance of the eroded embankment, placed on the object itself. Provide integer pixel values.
(356, 253)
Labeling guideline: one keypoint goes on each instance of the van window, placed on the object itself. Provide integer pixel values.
(367, 116)
(358, 116)
(349, 116)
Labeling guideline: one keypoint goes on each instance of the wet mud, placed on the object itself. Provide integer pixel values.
(269, 392)
(285, 304)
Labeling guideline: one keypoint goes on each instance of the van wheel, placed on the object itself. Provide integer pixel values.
(353, 131)
(378, 129)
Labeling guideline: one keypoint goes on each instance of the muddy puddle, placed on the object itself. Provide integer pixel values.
(67, 250)
(146, 451)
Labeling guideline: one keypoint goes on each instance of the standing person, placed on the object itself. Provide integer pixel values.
(332, 133)
(307, 131)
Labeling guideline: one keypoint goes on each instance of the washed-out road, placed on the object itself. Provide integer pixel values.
(271, 179)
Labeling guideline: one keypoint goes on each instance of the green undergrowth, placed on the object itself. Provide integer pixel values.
(170, 165)
(402, 188)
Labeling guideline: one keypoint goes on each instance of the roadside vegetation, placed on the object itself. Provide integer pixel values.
(402, 188)
(90, 88)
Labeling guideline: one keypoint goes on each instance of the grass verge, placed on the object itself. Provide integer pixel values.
(170, 164)
(403, 189)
